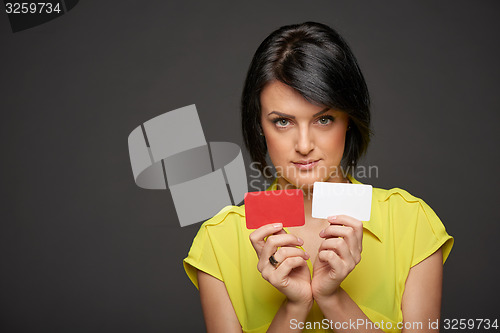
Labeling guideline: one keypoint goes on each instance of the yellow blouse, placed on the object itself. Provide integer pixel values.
(403, 231)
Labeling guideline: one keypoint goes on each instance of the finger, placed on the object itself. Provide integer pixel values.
(258, 237)
(337, 245)
(347, 233)
(271, 246)
(332, 259)
(288, 265)
(275, 241)
(277, 276)
(287, 252)
(349, 221)
(345, 220)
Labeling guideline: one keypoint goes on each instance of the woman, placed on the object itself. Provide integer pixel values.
(306, 104)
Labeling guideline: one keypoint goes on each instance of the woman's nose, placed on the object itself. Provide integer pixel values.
(305, 142)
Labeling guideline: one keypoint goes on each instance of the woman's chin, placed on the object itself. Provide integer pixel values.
(304, 183)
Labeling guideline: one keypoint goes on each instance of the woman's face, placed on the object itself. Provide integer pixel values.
(305, 141)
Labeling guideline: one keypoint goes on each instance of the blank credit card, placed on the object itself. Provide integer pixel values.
(281, 206)
(342, 199)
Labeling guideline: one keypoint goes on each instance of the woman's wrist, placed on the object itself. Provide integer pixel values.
(329, 301)
(288, 312)
(297, 309)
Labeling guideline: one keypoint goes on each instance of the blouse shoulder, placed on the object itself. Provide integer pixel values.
(220, 229)
(222, 215)
(395, 194)
(413, 221)
(228, 221)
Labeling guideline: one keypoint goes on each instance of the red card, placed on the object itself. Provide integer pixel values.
(282, 206)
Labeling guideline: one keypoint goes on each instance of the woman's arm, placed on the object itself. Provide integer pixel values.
(219, 312)
(291, 276)
(341, 308)
(288, 312)
(421, 299)
(338, 255)
(217, 307)
(422, 296)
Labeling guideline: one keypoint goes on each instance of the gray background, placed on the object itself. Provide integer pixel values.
(83, 249)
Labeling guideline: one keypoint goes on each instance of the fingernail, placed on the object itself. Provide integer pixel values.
(300, 240)
(321, 233)
(307, 255)
(278, 225)
(330, 218)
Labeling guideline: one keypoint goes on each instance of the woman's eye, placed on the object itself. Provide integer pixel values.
(325, 120)
(282, 122)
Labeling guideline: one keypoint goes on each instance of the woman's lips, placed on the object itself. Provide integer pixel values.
(305, 165)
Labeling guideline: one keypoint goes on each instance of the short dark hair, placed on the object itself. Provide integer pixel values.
(313, 59)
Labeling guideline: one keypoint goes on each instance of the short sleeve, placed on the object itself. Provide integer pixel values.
(213, 247)
(202, 256)
(430, 235)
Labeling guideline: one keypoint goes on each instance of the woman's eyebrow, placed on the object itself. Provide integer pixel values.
(282, 114)
(293, 117)
(322, 111)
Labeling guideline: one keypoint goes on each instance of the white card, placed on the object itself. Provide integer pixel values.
(342, 199)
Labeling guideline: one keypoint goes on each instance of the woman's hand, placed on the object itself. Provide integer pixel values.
(291, 275)
(338, 254)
